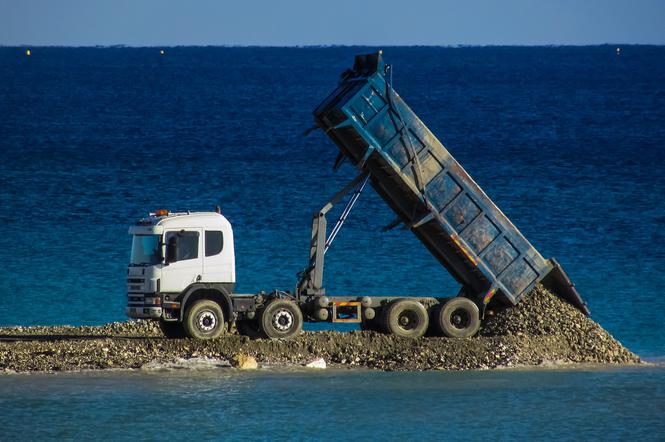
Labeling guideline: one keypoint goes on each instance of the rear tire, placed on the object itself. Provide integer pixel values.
(458, 318)
(406, 318)
(249, 328)
(172, 329)
(204, 319)
(281, 319)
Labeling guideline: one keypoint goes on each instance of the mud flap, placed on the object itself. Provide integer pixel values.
(557, 281)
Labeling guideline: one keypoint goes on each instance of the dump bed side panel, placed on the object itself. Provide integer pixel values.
(429, 190)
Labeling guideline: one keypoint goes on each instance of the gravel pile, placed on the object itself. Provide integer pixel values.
(543, 317)
(541, 330)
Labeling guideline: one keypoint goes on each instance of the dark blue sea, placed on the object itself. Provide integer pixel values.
(568, 141)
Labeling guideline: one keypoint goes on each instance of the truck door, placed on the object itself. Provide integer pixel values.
(184, 259)
(218, 262)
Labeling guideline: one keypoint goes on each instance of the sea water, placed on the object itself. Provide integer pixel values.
(286, 404)
(568, 141)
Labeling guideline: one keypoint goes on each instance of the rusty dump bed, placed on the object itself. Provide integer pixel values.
(430, 191)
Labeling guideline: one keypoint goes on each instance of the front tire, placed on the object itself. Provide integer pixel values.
(172, 329)
(281, 319)
(204, 319)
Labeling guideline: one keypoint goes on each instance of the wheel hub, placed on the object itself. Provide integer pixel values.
(460, 319)
(207, 321)
(408, 320)
(282, 320)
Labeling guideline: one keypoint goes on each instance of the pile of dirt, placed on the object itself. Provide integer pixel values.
(541, 330)
(543, 316)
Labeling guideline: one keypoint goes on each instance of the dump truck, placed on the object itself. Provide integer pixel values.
(182, 265)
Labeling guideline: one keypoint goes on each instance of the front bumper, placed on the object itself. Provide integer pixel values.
(144, 312)
(144, 305)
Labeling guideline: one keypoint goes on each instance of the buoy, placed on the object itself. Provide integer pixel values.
(618, 51)
(161, 52)
(28, 53)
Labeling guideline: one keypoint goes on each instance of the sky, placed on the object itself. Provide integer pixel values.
(330, 22)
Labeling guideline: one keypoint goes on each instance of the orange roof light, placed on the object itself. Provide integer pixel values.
(161, 212)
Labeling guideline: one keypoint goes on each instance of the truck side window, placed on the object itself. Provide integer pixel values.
(182, 245)
(214, 242)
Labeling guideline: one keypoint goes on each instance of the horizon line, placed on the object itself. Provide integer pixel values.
(322, 46)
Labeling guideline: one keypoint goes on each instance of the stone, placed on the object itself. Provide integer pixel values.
(244, 362)
(319, 363)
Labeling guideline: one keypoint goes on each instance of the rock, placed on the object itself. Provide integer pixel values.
(316, 363)
(244, 362)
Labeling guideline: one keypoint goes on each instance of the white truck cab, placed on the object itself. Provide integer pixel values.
(182, 272)
(172, 252)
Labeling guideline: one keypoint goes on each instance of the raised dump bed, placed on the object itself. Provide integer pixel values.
(431, 192)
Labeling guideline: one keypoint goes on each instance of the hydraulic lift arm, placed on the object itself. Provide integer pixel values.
(310, 280)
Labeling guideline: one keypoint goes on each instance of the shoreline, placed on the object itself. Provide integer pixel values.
(541, 330)
(29, 352)
(202, 365)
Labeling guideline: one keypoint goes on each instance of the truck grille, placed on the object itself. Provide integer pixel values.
(135, 284)
(134, 300)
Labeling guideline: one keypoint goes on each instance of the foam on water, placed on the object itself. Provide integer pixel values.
(199, 363)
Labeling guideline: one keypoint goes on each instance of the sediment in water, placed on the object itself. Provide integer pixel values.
(542, 329)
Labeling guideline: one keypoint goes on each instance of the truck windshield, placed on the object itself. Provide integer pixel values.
(145, 250)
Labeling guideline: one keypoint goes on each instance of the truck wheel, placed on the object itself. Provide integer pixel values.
(458, 318)
(249, 328)
(281, 319)
(204, 320)
(406, 318)
(172, 329)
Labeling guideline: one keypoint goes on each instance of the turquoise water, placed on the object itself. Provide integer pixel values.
(567, 140)
(278, 404)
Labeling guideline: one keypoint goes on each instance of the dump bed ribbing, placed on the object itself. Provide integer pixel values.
(430, 191)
